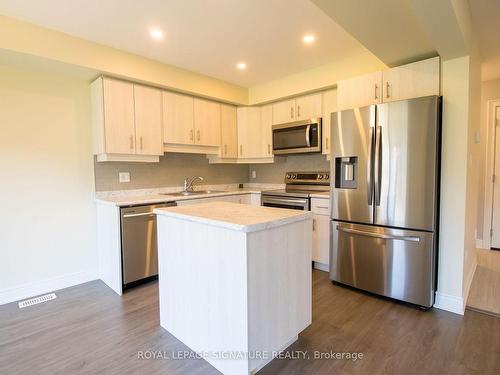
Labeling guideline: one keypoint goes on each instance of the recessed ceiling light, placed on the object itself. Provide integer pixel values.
(156, 33)
(241, 66)
(308, 38)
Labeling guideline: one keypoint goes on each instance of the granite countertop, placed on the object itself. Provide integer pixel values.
(129, 200)
(235, 216)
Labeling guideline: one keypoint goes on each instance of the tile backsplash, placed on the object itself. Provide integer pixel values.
(172, 169)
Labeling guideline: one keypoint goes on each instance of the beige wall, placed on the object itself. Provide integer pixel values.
(47, 226)
(460, 178)
(314, 79)
(275, 173)
(455, 86)
(475, 157)
(170, 171)
(490, 90)
(25, 38)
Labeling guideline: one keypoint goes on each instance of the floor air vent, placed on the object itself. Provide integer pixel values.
(37, 300)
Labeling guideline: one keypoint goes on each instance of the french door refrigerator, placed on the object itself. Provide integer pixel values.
(384, 218)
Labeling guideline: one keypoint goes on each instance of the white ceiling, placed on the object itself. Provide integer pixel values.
(205, 36)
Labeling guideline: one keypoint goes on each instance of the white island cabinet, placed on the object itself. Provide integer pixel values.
(234, 280)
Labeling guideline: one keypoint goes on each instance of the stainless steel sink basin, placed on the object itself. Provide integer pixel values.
(188, 193)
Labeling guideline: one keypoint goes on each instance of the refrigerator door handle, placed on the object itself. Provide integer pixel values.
(369, 181)
(378, 165)
(378, 235)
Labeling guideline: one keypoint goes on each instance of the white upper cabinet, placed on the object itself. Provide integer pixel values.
(412, 80)
(229, 132)
(118, 126)
(403, 82)
(308, 106)
(147, 107)
(359, 91)
(329, 106)
(250, 135)
(206, 122)
(126, 120)
(301, 108)
(284, 111)
(267, 130)
(178, 119)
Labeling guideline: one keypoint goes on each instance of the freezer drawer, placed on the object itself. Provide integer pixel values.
(391, 262)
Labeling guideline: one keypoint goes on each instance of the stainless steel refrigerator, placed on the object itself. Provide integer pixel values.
(384, 219)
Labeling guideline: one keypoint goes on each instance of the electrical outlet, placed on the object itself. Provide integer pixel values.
(124, 176)
(254, 174)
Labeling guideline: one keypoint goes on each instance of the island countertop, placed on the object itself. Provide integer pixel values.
(235, 216)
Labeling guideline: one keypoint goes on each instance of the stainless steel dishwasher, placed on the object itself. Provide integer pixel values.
(139, 243)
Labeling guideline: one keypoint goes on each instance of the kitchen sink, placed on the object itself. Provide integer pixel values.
(188, 193)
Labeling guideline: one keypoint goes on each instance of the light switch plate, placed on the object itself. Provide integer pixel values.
(124, 176)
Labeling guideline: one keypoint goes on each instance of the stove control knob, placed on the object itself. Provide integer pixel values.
(320, 177)
(294, 176)
(288, 176)
(327, 176)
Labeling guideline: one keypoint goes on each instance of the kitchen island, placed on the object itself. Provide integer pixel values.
(234, 280)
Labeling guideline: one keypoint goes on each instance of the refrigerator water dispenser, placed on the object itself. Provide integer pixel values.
(346, 172)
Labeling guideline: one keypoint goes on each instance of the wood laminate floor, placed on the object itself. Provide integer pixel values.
(484, 295)
(90, 330)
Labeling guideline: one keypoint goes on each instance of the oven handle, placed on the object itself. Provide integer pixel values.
(308, 137)
(285, 200)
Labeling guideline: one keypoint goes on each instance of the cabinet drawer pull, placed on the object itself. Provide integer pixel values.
(387, 90)
(191, 135)
(324, 207)
(131, 142)
(298, 111)
(198, 136)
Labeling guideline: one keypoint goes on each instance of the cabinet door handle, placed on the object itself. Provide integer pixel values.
(131, 142)
(298, 111)
(198, 136)
(140, 141)
(326, 143)
(387, 90)
(291, 112)
(191, 135)
(225, 149)
(269, 148)
(241, 150)
(314, 225)
(376, 91)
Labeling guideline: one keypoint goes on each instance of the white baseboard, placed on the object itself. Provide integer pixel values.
(468, 283)
(321, 266)
(27, 290)
(449, 303)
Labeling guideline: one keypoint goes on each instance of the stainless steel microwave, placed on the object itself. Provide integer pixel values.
(298, 137)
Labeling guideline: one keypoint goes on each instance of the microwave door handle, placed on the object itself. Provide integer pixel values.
(308, 136)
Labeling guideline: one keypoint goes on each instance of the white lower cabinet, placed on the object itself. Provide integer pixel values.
(321, 233)
(239, 198)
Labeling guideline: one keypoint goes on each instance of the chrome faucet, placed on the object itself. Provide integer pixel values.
(188, 183)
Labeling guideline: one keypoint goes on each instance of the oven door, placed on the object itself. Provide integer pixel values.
(297, 137)
(286, 202)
